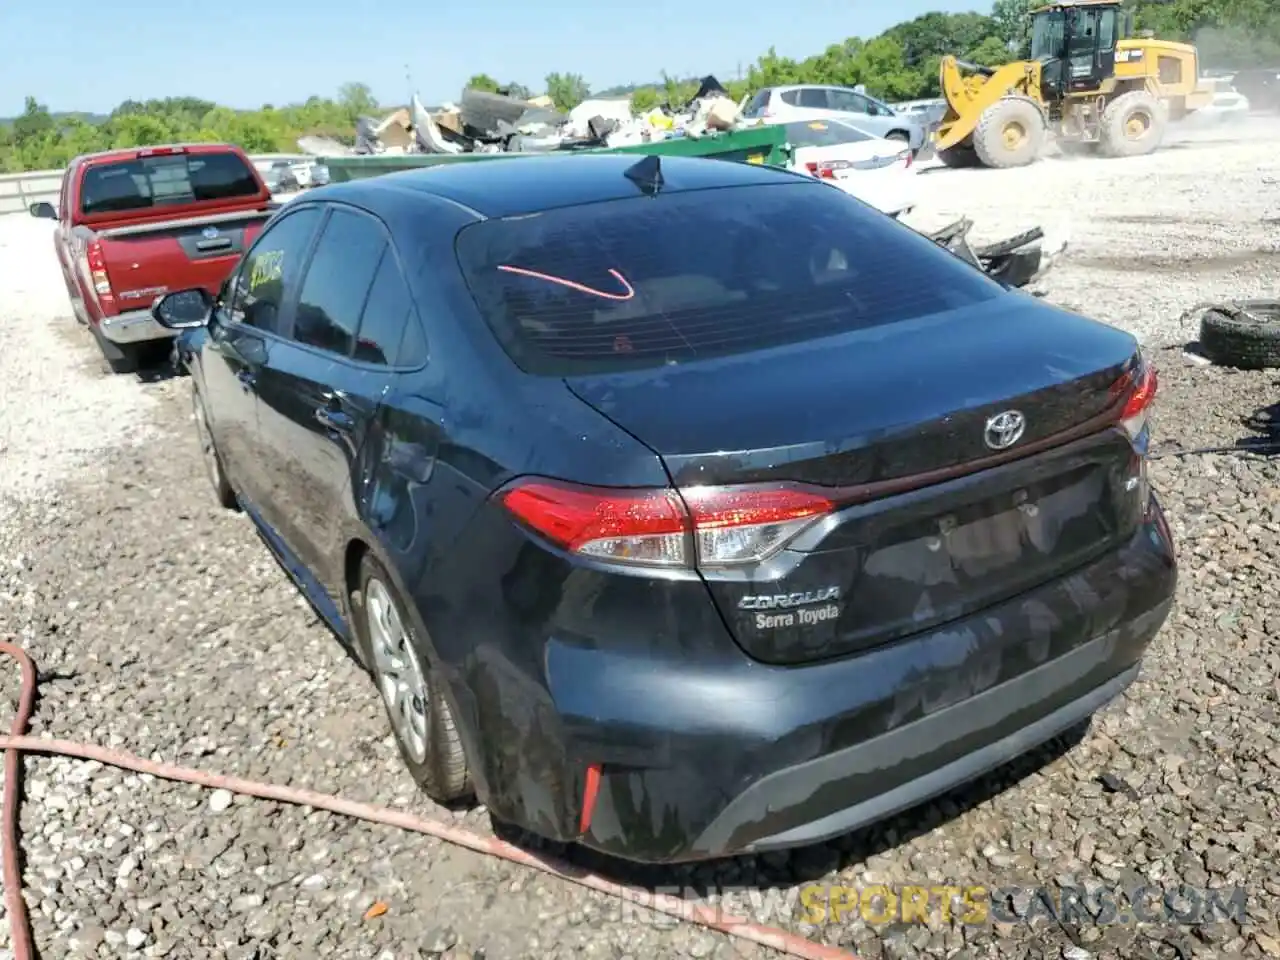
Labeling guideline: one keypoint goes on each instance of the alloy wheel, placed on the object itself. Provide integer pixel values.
(398, 670)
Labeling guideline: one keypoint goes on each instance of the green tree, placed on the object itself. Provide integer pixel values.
(357, 99)
(567, 90)
(1013, 25)
(35, 122)
(482, 81)
(644, 100)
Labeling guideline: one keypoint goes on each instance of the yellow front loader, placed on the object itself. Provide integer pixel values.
(1089, 84)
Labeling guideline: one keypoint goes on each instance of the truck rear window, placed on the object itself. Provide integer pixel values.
(165, 180)
(645, 282)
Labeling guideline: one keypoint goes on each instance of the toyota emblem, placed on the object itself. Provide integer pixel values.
(209, 233)
(1004, 429)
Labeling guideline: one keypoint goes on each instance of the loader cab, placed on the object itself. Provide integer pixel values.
(1076, 46)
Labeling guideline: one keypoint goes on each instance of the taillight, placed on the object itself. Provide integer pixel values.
(826, 169)
(1135, 391)
(909, 160)
(161, 151)
(749, 523)
(1138, 388)
(696, 526)
(98, 273)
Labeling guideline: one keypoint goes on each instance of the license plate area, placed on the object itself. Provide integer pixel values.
(917, 561)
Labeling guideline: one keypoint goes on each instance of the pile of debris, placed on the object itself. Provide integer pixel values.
(484, 122)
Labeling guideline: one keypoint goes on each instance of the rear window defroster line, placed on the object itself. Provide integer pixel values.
(629, 293)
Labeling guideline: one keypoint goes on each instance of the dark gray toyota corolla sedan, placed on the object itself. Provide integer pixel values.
(688, 509)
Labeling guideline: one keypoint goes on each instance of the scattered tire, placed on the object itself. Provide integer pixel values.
(1246, 337)
(1132, 125)
(420, 716)
(959, 157)
(1011, 133)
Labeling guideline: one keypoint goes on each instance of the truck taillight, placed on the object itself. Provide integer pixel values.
(161, 151)
(98, 273)
(697, 526)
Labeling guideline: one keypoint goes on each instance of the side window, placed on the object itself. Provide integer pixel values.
(814, 97)
(848, 101)
(791, 97)
(337, 282)
(1082, 47)
(271, 269)
(390, 332)
(757, 104)
(1107, 31)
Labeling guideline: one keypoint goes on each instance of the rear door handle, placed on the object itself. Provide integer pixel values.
(332, 416)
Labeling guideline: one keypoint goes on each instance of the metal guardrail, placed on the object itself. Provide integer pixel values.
(19, 190)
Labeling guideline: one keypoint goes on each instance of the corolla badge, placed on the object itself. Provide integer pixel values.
(209, 233)
(1004, 429)
(777, 601)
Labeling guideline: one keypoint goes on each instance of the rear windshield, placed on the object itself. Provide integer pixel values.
(646, 282)
(824, 133)
(161, 181)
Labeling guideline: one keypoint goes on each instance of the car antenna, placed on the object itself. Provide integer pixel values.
(646, 174)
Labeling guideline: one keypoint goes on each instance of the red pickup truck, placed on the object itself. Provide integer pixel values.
(134, 224)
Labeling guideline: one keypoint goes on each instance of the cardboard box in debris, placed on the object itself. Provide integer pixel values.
(484, 122)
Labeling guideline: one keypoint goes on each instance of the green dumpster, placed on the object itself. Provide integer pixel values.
(762, 145)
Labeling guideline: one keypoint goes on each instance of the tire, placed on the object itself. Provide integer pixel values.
(1248, 340)
(209, 455)
(1117, 135)
(1003, 120)
(958, 158)
(432, 750)
(120, 357)
(900, 135)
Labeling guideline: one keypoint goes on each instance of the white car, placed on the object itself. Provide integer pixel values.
(809, 101)
(1227, 102)
(877, 171)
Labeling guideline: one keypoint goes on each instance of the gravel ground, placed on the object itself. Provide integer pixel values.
(162, 626)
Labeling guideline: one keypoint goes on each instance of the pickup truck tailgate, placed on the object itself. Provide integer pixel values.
(149, 259)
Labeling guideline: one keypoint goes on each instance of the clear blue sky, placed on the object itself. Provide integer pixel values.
(78, 55)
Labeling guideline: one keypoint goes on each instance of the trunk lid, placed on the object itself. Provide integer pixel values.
(147, 260)
(933, 524)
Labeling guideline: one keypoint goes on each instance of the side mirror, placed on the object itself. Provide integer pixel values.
(43, 210)
(183, 309)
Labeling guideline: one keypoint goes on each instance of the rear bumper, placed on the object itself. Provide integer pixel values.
(888, 194)
(702, 760)
(136, 326)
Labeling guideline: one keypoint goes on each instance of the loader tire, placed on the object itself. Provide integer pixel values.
(1011, 133)
(958, 157)
(1132, 125)
(1246, 341)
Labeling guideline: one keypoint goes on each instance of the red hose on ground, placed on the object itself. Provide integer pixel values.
(17, 743)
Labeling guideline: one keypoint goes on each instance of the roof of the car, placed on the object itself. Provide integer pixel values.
(506, 187)
(133, 153)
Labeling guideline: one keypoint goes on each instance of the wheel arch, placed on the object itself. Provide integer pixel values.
(361, 544)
